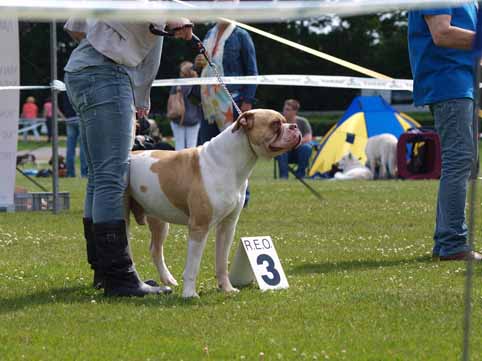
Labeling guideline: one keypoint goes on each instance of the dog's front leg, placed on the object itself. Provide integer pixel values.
(195, 247)
(224, 239)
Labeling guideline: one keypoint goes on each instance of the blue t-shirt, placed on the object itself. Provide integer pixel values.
(440, 73)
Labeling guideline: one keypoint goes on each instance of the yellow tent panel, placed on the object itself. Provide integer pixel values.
(337, 146)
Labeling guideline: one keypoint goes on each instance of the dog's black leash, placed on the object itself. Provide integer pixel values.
(310, 188)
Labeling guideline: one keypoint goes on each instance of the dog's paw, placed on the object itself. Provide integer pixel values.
(168, 280)
(188, 294)
(228, 289)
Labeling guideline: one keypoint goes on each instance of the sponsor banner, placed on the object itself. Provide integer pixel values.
(299, 80)
(324, 81)
(9, 110)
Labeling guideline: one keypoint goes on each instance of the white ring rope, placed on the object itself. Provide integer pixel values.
(25, 87)
(206, 11)
(320, 81)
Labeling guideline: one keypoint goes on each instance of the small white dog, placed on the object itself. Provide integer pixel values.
(352, 169)
(381, 151)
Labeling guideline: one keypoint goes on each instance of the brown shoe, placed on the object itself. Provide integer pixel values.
(463, 256)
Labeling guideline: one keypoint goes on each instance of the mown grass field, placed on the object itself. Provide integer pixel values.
(30, 145)
(362, 284)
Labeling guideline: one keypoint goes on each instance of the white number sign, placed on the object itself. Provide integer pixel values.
(256, 258)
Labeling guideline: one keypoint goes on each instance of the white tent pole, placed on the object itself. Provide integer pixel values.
(54, 92)
(472, 199)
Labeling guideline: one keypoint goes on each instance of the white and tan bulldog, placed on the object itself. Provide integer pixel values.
(204, 187)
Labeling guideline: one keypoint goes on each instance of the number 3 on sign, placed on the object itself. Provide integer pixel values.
(273, 280)
(264, 262)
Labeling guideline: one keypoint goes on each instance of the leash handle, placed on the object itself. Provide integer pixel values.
(169, 33)
(159, 32)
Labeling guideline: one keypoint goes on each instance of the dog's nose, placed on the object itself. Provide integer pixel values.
(293, 126)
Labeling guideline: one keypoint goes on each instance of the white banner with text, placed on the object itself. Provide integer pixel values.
(9, 110)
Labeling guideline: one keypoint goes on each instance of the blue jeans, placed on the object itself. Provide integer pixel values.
(103, 98)
(185, 136)
(300, 156)
(453, 121)
(73, 134)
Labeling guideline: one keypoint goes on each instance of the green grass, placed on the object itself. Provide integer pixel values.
(362, 285)
(29, 145)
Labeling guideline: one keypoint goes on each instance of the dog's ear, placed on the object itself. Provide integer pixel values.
(245, 120)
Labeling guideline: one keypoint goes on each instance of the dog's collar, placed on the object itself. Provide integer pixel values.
(250, 145)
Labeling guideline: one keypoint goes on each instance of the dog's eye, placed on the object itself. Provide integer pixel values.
(276, 125)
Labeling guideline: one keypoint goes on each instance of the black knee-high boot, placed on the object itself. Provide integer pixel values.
(120, 275)
(92, 253)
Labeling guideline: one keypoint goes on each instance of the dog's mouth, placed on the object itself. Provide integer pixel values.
(285, 142)
(275, 149)
(277, 139)
(298, 143)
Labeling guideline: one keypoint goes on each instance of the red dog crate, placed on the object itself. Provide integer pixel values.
(419, 155)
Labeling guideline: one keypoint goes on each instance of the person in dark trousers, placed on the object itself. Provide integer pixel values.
(440, 43)
(108, 77)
